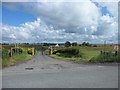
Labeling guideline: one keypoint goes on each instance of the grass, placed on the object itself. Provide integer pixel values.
(9, 61)
(88, 52)
(16, 58)
(106, 57)
(0, 63)
(23, 56)
(75, 59)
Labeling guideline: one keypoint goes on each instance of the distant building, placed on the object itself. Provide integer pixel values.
(56, 45)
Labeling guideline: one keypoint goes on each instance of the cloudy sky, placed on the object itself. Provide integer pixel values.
(34, 22)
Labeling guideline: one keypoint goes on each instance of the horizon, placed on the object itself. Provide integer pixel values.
(63, 43)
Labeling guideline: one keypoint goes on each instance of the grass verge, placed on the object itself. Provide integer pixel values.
(9, 61)
(74, 59)
(88, 54)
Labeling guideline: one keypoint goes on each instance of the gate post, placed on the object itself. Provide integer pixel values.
(33, 51)
(11, 51)
(51, 50)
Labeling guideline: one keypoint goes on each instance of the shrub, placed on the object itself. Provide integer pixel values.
(4, 53)
(67, 44)
(55, 51)
(106, 57)
(29, 51)
(68, 52)
(94, 45)
(19, 50)
(58, 54)
(86, 44)
(74, 44)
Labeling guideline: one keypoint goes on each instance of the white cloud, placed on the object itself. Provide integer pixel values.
(29, 32)
(112, 7)
(62, 14)
(68, 15)
(61, 21)
(38, 31)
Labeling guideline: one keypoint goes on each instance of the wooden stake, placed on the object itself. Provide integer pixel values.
(33, 51)
(11, 52)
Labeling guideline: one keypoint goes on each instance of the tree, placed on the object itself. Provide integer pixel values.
(67, 44)
(86, 44)
(74, 44)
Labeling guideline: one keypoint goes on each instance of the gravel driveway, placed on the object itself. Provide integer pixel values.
(45, 72)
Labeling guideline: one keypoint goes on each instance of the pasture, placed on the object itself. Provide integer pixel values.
(90, 54)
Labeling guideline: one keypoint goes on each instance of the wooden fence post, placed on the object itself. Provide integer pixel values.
(51, 50)
(33, 51)
(11, 51)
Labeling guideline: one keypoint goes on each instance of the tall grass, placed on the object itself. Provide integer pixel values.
(106, 57)
(8, 61)
(89, 53)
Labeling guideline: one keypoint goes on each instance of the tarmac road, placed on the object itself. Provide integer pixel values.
(45, 72)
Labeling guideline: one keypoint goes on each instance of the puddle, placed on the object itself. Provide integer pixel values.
(29, 68)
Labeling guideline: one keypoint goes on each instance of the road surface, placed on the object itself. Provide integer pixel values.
(45, 72)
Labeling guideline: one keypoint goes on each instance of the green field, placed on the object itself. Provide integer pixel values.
(87, 54)
(90, 53)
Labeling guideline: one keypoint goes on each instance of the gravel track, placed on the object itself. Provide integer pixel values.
(45, 72)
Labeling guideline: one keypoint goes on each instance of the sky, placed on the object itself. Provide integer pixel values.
(57, 22)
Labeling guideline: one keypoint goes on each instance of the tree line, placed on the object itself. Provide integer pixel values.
(68, 44)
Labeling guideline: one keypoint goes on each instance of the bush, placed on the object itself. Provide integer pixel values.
(29, 51)
(86, 44)
(94, 45)
(106, 57)
(67, 44)
(58, 54)
(55, 51)
(4, 53)
(18, 50)
(74, 44)
(68, 52)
